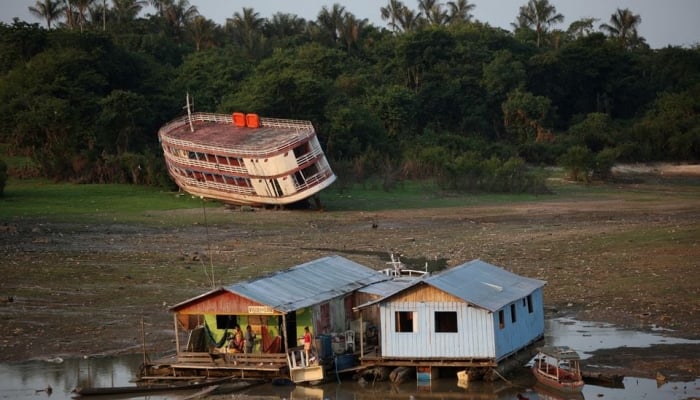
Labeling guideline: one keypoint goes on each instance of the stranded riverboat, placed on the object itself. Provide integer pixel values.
(245, 159)
(558, 368)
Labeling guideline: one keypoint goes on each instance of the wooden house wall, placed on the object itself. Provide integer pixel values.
(527, 328)
(226, 303)
(370, 315)
(474, 337)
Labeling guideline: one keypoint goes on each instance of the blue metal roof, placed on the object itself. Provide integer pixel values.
(484, 285)
(307, 284)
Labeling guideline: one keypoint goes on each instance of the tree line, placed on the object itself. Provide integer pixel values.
(436, 94)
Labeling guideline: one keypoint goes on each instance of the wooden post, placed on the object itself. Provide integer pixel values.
(284, 329)
(177, 337)
(362, 338)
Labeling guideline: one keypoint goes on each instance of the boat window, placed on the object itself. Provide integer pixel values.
(501, 319)
(405, 321)
(301, 150)
(310, 171)
(446, 321)
(512, 313)
(529, 304)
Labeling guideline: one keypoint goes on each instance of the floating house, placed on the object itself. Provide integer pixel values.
(245, 159)
(318, 294)
(471, 316)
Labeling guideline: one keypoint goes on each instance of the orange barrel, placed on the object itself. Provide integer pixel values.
(252, 120)
(238, 119)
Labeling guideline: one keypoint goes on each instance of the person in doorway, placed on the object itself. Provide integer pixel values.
(249, 338)
(307, 342)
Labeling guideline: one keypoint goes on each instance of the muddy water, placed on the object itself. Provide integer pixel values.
(29, 380)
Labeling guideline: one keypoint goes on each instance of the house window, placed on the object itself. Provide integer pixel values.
(512, 313)
(501, 319)
(404, 321)
(446, 321)
(226, 321)
(529, 303)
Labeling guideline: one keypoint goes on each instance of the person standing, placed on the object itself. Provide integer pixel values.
(249, 338)
(307, 342)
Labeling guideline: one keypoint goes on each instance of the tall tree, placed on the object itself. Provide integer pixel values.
(433, 11)
(351, 30)
(538, 15)
(581, 28)
(392, 12)
(623, 26)
(202, 31)
(247, 29)
(127, 10)
(283, 25)
(48, 10)
(178, 15)
(331, 21)
(82, 7)
(460, 11)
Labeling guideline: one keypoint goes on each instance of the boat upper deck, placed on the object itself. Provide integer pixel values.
(218, 133)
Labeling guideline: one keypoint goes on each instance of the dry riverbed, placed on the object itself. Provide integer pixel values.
(629, 258)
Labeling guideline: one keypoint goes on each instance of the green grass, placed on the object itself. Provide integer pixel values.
(410, 195)
(71, 202)
(42, 199)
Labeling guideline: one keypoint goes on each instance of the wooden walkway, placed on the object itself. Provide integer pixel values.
(241, 365)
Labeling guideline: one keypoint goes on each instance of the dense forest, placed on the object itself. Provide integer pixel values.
(435, 94)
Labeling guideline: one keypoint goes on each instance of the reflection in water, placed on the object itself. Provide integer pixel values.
(26, 380)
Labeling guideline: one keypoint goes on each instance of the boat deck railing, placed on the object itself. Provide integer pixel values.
(302, 127)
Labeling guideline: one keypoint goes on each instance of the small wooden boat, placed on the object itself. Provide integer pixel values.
(558, 368)
(120, 390)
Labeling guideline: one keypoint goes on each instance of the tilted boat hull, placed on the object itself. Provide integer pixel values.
(268, 162)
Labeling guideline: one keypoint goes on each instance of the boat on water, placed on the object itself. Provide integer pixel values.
(558, 368)
(245, 159)
(147, 389)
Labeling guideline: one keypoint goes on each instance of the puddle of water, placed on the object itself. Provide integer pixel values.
(587, 337)
(26, 380)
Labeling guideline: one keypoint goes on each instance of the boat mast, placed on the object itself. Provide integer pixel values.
(189, 112)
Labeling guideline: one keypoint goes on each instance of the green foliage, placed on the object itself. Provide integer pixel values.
(464, 104)
(3, 176)
(524, 115)
(672, 126)
(578, 162)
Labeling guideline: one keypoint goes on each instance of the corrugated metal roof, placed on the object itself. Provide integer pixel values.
(307, 284)
(484, 284)
(387, 288)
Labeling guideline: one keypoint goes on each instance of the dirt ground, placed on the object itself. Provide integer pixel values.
(628, 257)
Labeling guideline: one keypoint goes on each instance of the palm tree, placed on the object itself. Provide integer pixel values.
(284, 25)
(203, 32)
(540, 15)
(351, 30)
(178, 15)
(161, 5)
(49, 10)
(581, 28)
(247, 29)
(127, 10)
(432, 9)
(82, 6)
(409, 19)
(331, 21)
(623, 26)
(70, 17)
(460, 11)
(392, 12)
